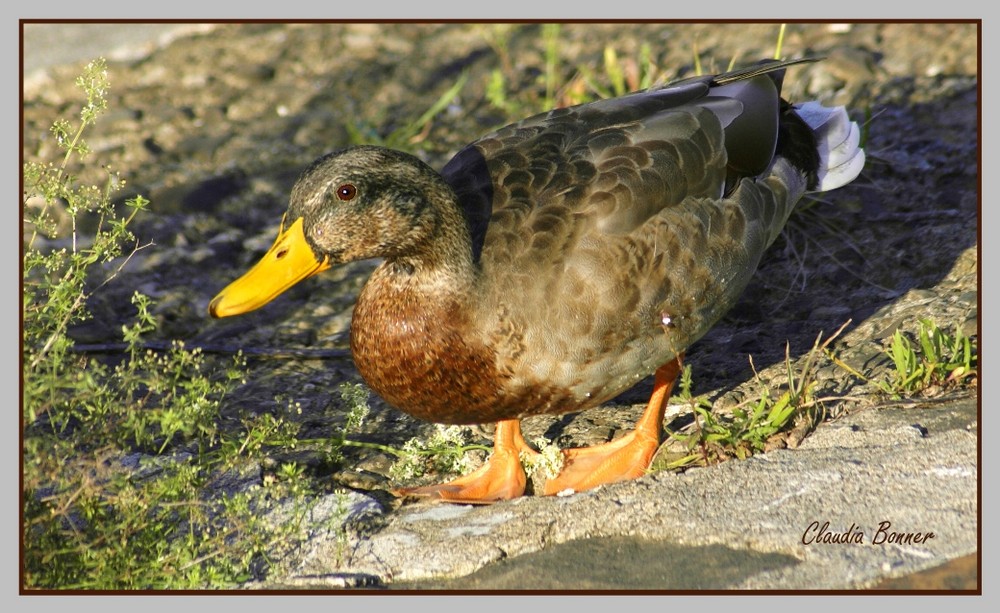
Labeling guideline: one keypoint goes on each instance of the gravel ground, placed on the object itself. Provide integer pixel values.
(214, 124)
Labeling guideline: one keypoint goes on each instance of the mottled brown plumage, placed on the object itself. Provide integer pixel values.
(556, 262)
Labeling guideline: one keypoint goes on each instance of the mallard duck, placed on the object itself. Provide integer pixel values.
(556, 262)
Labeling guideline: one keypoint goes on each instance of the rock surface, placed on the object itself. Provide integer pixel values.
(876, 494)
(214, 124)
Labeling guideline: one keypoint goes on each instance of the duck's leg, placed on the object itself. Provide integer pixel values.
(500, 478)
(629, 456)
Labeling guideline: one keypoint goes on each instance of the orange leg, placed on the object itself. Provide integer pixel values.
(626, 458)
(500, 478)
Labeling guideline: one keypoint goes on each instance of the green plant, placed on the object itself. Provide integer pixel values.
(620, 76)
(408, 135)
(548, 463)
(444, 452)
(527, 102)
(744, 432)
(355, 398)
(550, 37)
(755, 425)
(937, 360)
(339, 526)
(119, 455)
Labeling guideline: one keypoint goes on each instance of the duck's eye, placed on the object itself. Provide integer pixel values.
(347, 192)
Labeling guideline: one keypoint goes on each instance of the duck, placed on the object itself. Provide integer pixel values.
(554, 263)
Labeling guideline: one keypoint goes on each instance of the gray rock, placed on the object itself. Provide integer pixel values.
(877, 476)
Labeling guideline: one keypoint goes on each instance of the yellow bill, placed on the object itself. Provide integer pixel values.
(287, 262)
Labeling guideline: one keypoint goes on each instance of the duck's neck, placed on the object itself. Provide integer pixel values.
(441, 265)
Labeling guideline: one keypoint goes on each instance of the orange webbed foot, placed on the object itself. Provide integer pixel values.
(620, 460)
(626, 458)
(501, 478)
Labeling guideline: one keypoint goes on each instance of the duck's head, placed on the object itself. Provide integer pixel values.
(354, 204)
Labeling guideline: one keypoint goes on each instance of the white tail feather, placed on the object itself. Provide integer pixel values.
(837, 140)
